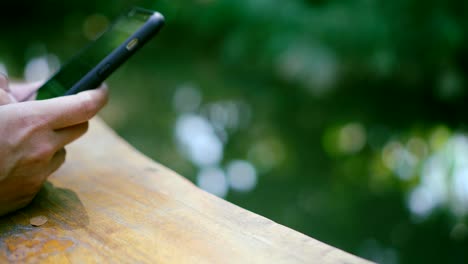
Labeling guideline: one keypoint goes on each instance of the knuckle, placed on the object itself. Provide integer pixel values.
(57, 161)
(84, 127)
(28, 193)
(24, 133)
(62, 156)
(11, 143)
(45, 150)
(59, 164)
(23, 200)
(82, 130)
(32, 122)
(41, 154)
(27, 190)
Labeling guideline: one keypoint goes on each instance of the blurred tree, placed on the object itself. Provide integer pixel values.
(346, 105)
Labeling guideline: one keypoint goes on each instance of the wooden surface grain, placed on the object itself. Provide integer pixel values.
(110, 203)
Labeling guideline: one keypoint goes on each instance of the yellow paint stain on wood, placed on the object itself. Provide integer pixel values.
(35, 245)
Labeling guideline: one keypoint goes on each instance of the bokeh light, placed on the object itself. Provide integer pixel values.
(41, 68)
(3, 69)
(213, 180)
(241, 175)
(198, 141)
(187, 98)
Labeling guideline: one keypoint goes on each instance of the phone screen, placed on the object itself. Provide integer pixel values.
(72, 72)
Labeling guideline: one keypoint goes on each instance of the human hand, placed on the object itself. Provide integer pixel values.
(32, 139)
(17, 92)
(5, 94)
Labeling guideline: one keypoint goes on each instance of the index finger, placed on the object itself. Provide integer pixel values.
(71, 110)
(25, 91)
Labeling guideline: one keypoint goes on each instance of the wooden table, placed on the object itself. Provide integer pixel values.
(110, 203)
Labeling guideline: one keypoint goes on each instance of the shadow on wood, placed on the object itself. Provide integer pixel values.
(110, 203)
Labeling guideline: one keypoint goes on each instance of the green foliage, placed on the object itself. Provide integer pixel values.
(344, 106)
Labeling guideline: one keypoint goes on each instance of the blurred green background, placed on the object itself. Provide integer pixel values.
(344, 120)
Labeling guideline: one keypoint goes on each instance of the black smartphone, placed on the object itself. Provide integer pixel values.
(91, 66)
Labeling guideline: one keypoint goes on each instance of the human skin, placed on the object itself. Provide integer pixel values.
(33, 135)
